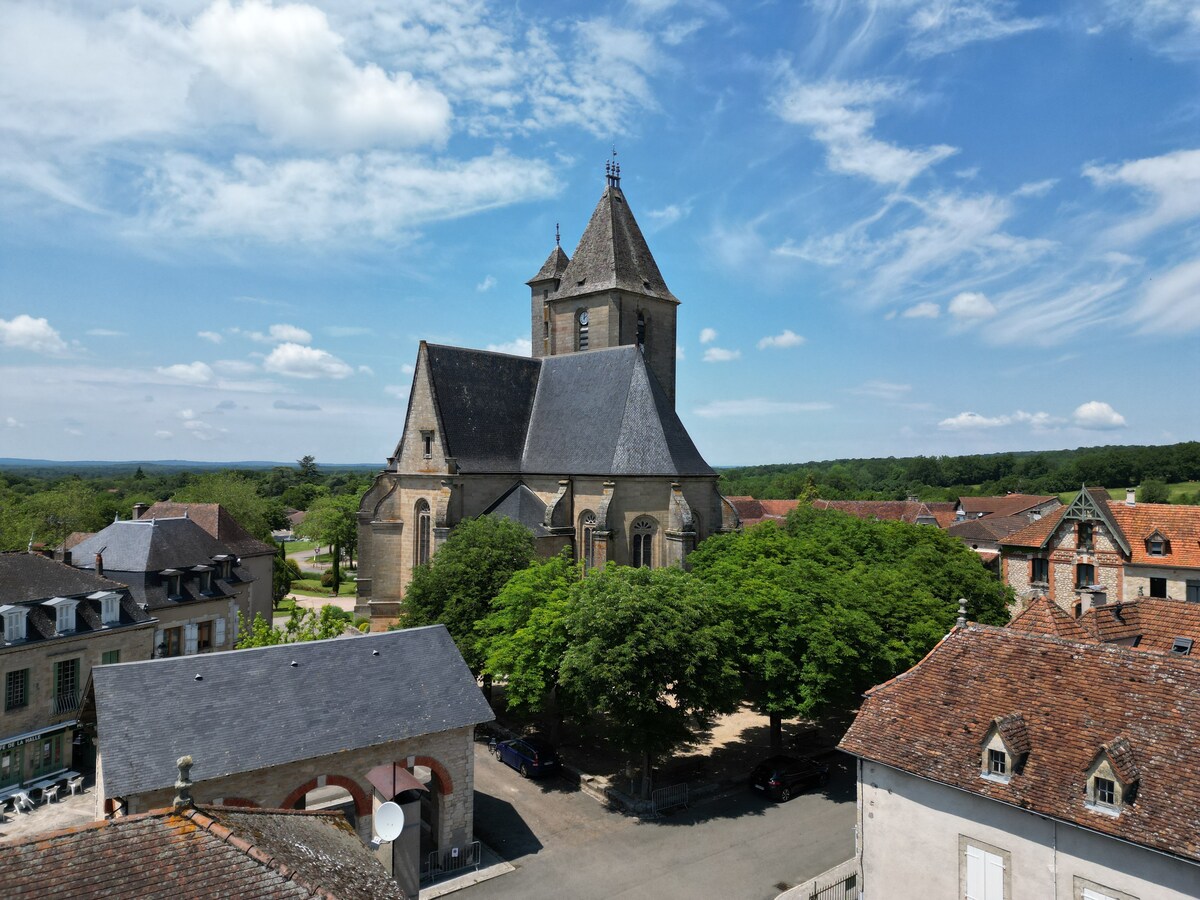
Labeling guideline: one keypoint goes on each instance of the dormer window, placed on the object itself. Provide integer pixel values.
(204, 579)
(1104, 792)
(224, 566)
(1182, 646)
(1112, 778)
(173, 579)
(1156, 544)
(14, 622)
(1004, 748)
(110, 606)
(64, 614)
(997, 763)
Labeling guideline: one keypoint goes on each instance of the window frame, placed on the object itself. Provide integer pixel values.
(427, 444)
(1104, 792)
(423, 533)
(172, 639)
(66, 684)
(1085, 536)
(1080, 582)
(1158, 584)
(1039, 562)
(997, 763)
(110, 657)
(204, 636)
(587, 539)
(965, 843)
(13, 679)
(641, 543)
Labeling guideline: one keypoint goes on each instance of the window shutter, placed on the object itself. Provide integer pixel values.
(160, 638)
(219, 633)
(974, 873)
(191, 638)
(993, 876)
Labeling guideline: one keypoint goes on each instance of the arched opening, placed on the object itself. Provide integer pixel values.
(581, 330)
(641, 538)
(422, 534)
(587, 539)
(334, 792)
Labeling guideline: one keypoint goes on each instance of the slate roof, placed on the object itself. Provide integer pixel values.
(149, 545)
(199, 853)
(251, 709)
(522, 506)
(217, 521)
(552, 267)
(989, 528)
(595, 413)
(26, 577)
(1008, 505)
(612, 254)
(1075, 698)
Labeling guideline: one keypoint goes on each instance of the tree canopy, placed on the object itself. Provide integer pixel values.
(333, 521)
(302, 625)
(241, 499)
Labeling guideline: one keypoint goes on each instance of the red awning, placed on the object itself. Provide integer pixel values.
(391, 780)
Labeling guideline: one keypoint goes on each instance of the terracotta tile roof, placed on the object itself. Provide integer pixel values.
(1076, 699)
(209, 852)
(1180, 525)
(890, 510)
(1037, 533)
(217, 521)
(1012, 729)
(945, 511)
(1008, 505)
(1044, 616)
(752, 511)
(1154, 622)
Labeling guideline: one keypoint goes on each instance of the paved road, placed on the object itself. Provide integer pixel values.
(566, 844)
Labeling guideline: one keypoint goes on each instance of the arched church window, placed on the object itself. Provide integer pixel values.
(587, 539)
(581, 330)
(641, 331)
(642, 537)
(421, 537)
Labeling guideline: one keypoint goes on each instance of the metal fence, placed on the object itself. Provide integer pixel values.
(451, 861)
(669, 797)
(843, 889)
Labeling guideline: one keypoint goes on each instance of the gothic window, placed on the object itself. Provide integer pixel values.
(587, 539)
(642, 538)
(641, 331)
(421, 538)
(581, 330)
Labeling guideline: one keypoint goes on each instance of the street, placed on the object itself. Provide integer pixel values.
(566, 844)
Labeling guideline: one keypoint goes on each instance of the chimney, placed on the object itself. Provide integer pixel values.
(138, 509)
(962, 612)
(183, 785)
(99, 563)
(1130, 497)
(67, 557)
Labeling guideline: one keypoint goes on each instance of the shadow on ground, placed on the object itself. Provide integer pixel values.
(500, 826)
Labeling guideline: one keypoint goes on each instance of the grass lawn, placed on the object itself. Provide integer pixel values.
(286, 605)
(311, 587)
(298, 546)
(1177, 489)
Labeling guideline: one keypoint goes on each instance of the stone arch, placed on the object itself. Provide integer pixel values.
(444, 781)
(362, 802)
(644, 548)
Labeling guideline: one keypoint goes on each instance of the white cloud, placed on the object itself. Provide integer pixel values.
(1171, 27)
(1170, 302)
(366, 370)
(788, 338)
(518, 346)
(756, 406)
(210, 336)
(841, 116)
(884, 390)
(708, 335)
(24, 332)
(163, 435)
(295, 406)
(669, 214)
(190, 373)
(235, 367)
(971, 421)
(10, 422)
(486, 285)
(105, 332)
(971, 305)
(1096, 415)
(399, 391)
(923, 310)
(297, 361)
(720, 355)
(1169, 184)
(202, 430)
(409, 368)
(284, 334)
(1035, 188)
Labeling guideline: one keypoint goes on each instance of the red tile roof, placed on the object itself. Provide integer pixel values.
(1044, 616)
(945, 511)
(1075, 698)
(752, 511)
(1154, 622)
(214, 519)
(1180, 525)
(1036, 534)
(888, 510)
(209, 852)
(1008, 505)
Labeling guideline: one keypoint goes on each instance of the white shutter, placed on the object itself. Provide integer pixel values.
(975, 889)
(985, 875)
(993, 878)
(160, 638)
(1089, 894)
(219, 634)
(191, 639)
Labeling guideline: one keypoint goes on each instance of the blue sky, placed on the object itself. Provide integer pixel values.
(896, 227)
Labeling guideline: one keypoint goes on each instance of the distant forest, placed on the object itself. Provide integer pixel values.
(949, 477)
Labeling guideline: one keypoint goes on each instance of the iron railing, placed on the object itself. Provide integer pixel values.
(451, 861)
(66, 701)
(843, 889)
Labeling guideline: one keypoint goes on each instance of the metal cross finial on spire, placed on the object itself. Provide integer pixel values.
(612, 169)
(557, 236)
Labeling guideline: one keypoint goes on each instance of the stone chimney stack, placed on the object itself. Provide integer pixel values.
(1130, 497)
(138, 509)
(962, 613)
(99, 563)
(183, 784)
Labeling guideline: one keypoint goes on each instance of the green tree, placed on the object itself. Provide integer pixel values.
(524, 636)
(649, 650)
(302, 625)
(333, 521)
(457, 587)
(1152, 490)
(284, 572)
(308, 469)
(72, 505)
(241, 499)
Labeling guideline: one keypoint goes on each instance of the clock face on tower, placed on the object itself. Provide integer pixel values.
(583, 318)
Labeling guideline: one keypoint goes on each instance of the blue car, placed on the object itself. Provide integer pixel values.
(530, 756)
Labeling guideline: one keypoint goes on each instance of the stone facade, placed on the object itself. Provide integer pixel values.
(448, 754)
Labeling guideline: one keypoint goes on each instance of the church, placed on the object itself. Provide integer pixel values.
(580, 442)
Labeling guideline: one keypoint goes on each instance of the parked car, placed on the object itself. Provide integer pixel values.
(782, 777)
(531, 756)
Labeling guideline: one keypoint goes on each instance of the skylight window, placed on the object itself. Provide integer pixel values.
(1182, 646)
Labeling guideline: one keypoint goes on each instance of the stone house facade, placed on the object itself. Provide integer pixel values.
(580, 443)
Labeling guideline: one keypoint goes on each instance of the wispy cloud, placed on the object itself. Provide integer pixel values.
(212, 336)
(720, 355)
(189, 373)
(884, 390)
(787, 338)
(756, 406)
(923, 310)
(971, 421)
(518, 346)
(486, 285)
(708, 335)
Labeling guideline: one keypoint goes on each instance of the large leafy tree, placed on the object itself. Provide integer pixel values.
(241, 499)
(457, 587)
(649, 649)
(333, 521)
(830, 605)
(49, 516)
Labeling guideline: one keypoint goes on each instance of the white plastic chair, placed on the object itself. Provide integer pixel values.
(22, 802)
(48, 794)
(75, 784)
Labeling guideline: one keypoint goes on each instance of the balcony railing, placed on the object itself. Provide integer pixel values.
(66, 702)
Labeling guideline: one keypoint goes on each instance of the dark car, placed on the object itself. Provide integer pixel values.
(782, 777)
(531, 756)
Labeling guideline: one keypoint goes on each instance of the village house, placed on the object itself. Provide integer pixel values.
(1009, 764)
(59, 622)
(383, 716)
(580, 443)
(1097, 550)
(1148, 624)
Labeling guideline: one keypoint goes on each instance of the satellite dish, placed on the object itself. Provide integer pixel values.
(389, 821)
